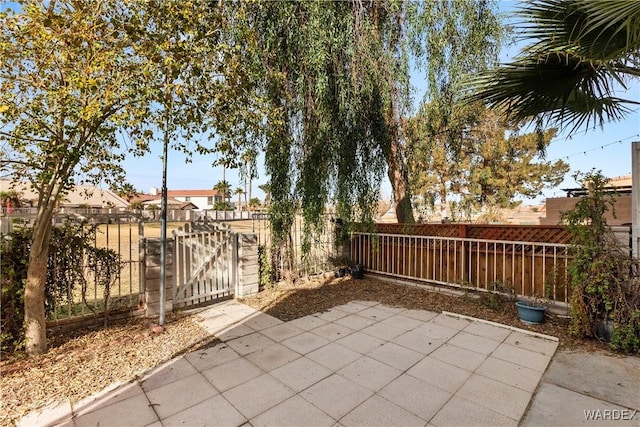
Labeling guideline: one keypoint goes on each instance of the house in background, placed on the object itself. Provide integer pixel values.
(149, 205)
(620, 187)
(203, 199)
(79, 197)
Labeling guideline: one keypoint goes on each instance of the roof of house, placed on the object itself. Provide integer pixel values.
(142, 198)
(192, 193)
(618, 185)
(171, 202)
(79, 195)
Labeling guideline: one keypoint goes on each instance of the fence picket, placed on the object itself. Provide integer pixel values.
(202, 270)
(467, 262)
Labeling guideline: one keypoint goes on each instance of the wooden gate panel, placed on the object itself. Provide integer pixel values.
(204, 267)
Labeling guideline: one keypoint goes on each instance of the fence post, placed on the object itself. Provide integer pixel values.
(246, 262)
(142, 291)
(150, 275)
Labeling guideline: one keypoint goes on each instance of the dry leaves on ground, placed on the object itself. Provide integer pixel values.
(288, 302)
(84, 362)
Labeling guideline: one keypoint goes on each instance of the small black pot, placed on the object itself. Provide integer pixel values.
(604, 329)
(356, 271)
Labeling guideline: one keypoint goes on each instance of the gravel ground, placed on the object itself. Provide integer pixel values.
(81, 363)
(84, 362)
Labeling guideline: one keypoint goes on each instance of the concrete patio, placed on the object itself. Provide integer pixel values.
(361, 363)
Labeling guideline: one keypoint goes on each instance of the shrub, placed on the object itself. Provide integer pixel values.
(70, 251)
(264, 267)
(14, 260)
(603, 276)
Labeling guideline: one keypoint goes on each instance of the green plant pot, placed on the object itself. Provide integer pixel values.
(530, 313)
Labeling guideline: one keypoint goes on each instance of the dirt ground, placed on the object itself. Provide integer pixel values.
(83, 362)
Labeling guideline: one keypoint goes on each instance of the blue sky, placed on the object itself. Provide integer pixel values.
(607, 149)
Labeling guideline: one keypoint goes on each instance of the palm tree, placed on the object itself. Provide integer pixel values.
(223, 187)
(267, 192)
(582, 49)
(127, 191)
(254, 203)
(239, 191)
(249, 171)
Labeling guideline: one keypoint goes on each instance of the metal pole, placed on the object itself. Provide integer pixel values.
(635, 198)
(163, 223)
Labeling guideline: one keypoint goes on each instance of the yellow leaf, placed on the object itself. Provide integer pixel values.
(3, 108)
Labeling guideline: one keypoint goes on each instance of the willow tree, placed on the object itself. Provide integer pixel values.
(249, 172)
(337, 80)
(330, 75)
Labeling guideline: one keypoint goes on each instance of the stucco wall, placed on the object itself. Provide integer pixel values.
(556, 205)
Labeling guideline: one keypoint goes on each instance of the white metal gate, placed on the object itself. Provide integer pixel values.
(204, 265)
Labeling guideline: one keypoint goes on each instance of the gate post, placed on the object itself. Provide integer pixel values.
(150, 274)
(247, 277)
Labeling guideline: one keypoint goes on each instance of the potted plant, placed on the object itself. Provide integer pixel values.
(531, 310)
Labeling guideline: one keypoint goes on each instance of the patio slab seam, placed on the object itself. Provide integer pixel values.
(501, 325)
(309, 336)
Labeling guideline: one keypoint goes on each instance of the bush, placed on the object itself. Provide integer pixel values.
(264, 266)
(70, 251)
(14, 260)
(604, 279)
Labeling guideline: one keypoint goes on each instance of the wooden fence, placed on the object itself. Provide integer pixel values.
(525, 268)
(526, 260)
(510, 232)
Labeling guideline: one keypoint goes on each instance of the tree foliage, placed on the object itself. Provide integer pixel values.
(223, 187)
(82, 82)
(71, 249)
(319, 87)
(336, 78)
(580, 51)
(69, 80)
(327, 129)
(503, 167)
(490, 164)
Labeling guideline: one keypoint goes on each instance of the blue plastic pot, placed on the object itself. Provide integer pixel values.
(530, 313)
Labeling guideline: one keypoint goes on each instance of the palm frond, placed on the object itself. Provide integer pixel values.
(597, 29)
(556, 85)
(580, 50)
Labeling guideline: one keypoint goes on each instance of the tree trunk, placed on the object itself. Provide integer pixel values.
(397, 177)
(34, 293)
(250, 185)
(246, 205)
(443, 202)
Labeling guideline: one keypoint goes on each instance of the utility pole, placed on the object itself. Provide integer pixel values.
(635, 198)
